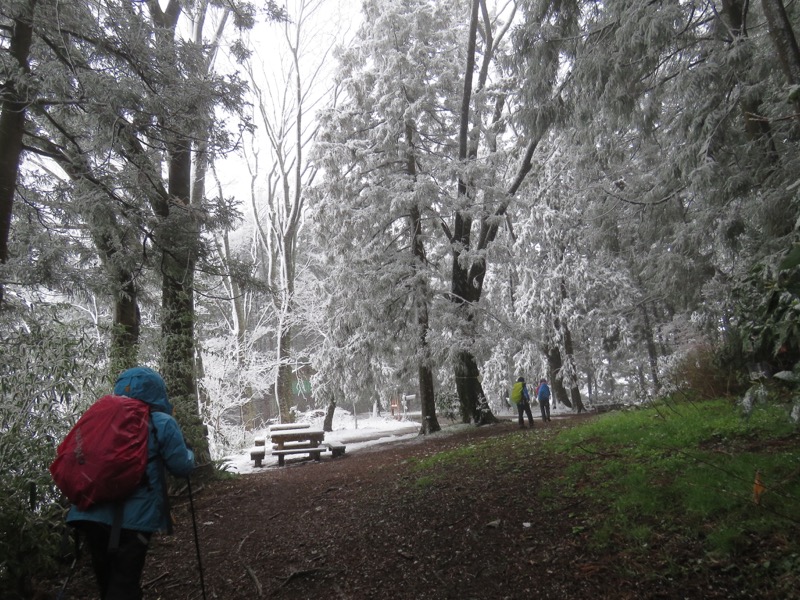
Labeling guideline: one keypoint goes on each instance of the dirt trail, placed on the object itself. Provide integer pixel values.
(367, 526)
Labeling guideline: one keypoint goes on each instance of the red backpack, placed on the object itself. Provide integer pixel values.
(104, 456)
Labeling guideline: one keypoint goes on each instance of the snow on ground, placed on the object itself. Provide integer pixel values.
(358, 433)
(354, 433)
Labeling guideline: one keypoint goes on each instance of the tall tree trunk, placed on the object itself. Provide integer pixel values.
(327, 424)
(12, 123)
(430, 424)
(468, 276)
(609, 385)
(572, 371)
(642, 380)
(278, 243)
(125, 333)
(470, 392)
(178, 238)
(554, 366)
(283, 382)
(652, 350)
(574, 390)
(466, 369)
(564, 364)
(178, 242)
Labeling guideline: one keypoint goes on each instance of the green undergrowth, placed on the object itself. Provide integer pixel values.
(675, 481)
(681, 478)
(493, 453)
(694, 464)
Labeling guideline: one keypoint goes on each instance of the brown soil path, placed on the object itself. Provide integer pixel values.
(367, 525)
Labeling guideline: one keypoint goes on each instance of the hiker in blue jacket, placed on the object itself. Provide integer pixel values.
(543, 395)
(118, 563)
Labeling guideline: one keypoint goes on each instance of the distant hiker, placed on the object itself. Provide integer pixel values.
(543, 395)
(118, 533)
(522, 398)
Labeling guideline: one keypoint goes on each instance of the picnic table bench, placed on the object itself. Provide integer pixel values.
(302, 440)
(258, 451)
(336, 448)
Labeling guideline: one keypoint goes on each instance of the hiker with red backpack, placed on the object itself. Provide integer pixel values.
(144, 441)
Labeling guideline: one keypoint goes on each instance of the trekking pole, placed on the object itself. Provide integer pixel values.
(196, 539)
(62, 593)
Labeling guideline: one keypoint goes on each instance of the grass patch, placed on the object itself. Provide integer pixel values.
(470, 454)
(687, 472)
(424, 482)
(491, 452)
(672, 481)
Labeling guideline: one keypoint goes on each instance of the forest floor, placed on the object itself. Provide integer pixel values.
(368, 525)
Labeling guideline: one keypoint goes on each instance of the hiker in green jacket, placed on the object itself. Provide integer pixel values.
(522, 398)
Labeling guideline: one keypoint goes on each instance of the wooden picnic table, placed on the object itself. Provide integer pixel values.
(285, 426)
(297, 441)
(294, 438)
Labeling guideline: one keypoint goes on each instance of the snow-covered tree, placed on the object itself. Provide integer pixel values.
(380, 151)
(414, 124)
(287, 99)
(679, 144)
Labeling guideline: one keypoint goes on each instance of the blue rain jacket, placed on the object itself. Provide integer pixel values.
(145, 509)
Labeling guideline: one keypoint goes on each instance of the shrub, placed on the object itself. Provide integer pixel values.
(767, 314)
(43, 374)
(707, 372)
